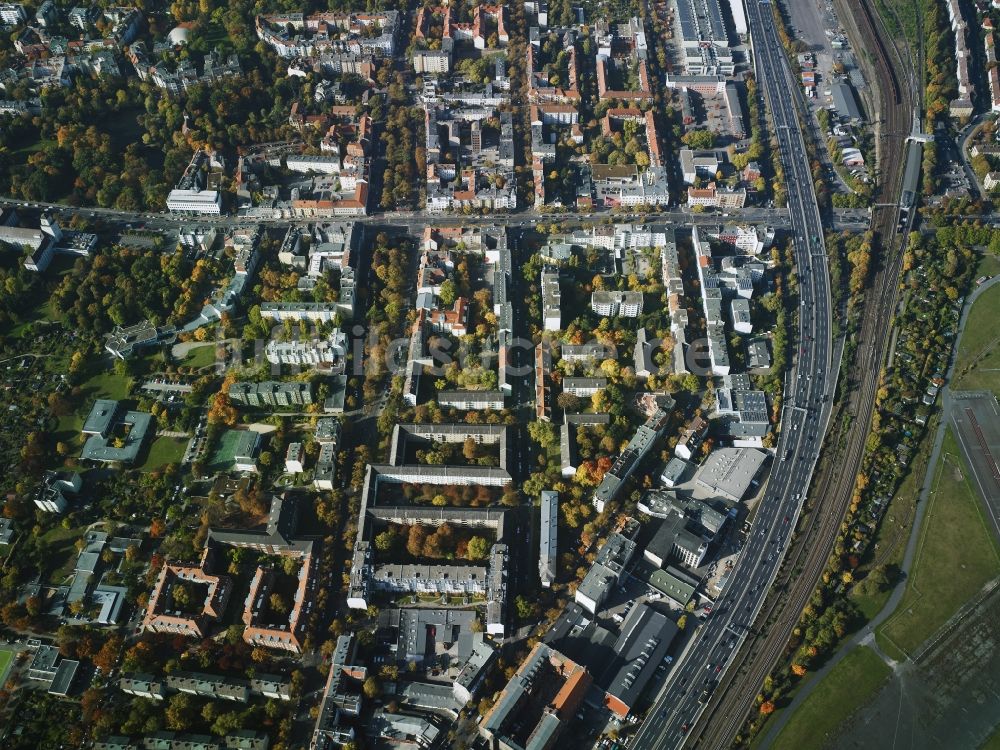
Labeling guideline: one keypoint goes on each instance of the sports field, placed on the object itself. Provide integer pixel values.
(225, 451)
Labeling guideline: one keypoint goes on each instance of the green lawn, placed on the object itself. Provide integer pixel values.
(6, 657)
(956, 557)
(201, 356)
(840, 693)
(68, 431)
(60, 545)
(989, 265)
(31, 147)
(212, 34)
(105, 384)
(985, 376)
(978, 339)
(164, 450)
(40, 313)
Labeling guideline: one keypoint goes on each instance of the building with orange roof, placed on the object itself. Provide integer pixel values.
(533, 708)
(265, 626)
(454, 321)
(206, 598)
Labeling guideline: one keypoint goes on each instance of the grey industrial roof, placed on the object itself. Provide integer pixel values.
(419, 626)
(758, 354)
(845, 101)
(674, 470)
(645, 637)
(141, 682)
(430, 696)
(588, 419)
(571, 382)
(327, 428)
(338, 393)
(63, 680)
(729, 471)
(479, 657)
(101, 417)
(210, 684)
(100, 448)
(469, 395)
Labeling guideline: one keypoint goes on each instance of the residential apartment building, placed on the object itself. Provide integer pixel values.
(313, 312)
(328, 353)
(210, 686)
(164, 615)
(545, 694)
(608, 568)
(548, 538)
(471, 400)
(583, 387)
(614, 304)
(551, 301)
(271, 393)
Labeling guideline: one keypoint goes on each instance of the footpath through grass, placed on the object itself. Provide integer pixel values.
(956, 556)
(200, 356)
(841, 693)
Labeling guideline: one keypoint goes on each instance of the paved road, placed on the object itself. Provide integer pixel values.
(804, 417)
(848, 218)
(866, 634)
(964, 135)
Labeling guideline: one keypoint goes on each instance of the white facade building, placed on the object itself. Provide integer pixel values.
(551, 301)
(13, 13)
(195, 202)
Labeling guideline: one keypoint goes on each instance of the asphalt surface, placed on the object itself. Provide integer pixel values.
(805, 414)
(847, 218)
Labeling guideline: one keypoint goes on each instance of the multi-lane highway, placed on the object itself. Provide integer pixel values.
(804, 417)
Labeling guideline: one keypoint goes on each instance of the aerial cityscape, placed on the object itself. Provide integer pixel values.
(441, 375)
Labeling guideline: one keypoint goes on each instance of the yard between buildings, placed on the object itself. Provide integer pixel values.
(200, 356)
(162, 451)
(60, 544)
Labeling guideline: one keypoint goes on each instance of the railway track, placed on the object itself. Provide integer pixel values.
(834, 484)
